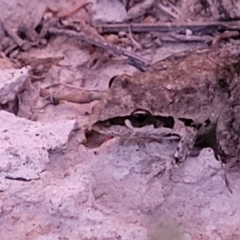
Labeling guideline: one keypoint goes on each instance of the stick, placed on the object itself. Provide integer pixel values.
(167, 27)
(100, 43)
(73, 95)
(192, 38)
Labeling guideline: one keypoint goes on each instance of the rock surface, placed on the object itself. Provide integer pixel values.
(25, 145)
(54, 187)
(11, 83)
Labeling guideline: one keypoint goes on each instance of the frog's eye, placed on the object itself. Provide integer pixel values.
(140, 118)
(111, 81)
(119, 81)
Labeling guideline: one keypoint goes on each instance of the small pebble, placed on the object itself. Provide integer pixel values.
(169, 87)
(149, 19)
(122, 34)
(6, 42)
(43, 42)
(26, 46)
(187, 236)
(124, 40)
(112, 38)
(148, 45)
(188, 32)
(47, 16)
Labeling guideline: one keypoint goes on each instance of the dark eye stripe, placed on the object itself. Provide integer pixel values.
(160, 121)
(190, 123)
(141, 118)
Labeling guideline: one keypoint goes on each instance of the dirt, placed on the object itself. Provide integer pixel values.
(52, 185)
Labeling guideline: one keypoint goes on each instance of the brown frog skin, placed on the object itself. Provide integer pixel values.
(187, 96)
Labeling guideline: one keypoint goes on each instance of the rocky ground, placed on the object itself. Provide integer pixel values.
(54, 185)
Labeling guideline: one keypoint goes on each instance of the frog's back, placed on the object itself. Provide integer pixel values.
(189, 83)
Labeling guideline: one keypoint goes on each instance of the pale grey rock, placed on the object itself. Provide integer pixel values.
(202, 167)
(48, 237)
(11, 83)
(108, 11)
(25, 144)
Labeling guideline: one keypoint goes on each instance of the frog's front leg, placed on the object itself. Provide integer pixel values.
(228, 135)
(188, 138)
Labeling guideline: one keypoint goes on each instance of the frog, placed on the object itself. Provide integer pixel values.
(191, 97)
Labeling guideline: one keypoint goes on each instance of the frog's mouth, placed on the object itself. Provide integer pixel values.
(140, 124)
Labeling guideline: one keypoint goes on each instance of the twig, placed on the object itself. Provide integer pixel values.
(101, 44)
(167, 27)
(74, 95)
(224, 35)
(192, 38)
(134, 42)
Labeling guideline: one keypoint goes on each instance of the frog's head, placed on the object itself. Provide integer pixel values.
(128, 110)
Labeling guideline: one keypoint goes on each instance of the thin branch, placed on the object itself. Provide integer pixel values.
(100, 43)
(168, 27)
(74, 95)
(192, 38)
